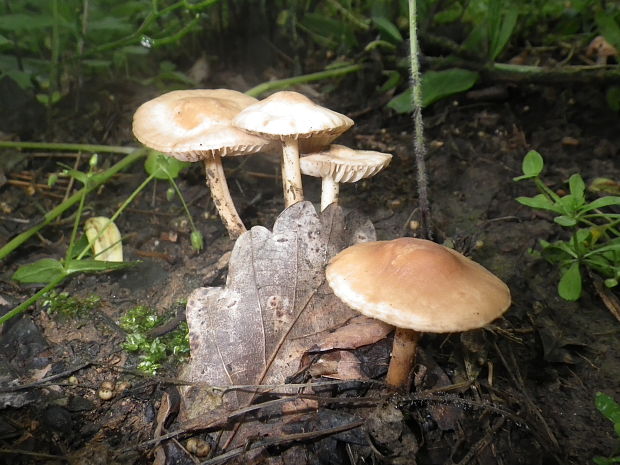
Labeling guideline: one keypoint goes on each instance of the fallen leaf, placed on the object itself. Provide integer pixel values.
(276, 304)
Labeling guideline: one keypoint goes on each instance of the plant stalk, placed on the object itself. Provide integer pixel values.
(280, 84)
(419, 147)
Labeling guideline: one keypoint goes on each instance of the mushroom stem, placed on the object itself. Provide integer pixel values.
(291, 173)
(329, 192)
(403, 357)
(221, 196)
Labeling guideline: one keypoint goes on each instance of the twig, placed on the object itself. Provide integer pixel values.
(46, 380)
(282, 440)
(34, 454)
(609, 299)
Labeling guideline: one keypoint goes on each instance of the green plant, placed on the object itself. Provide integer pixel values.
(611, 410)
(61, 303)
(153, 351)
(594, 240)
(52, 272)
(53, 44)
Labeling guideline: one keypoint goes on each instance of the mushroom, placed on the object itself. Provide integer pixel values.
(341, 164)
(602, 49)
(416, 285)
(195, 125)
(289, 117)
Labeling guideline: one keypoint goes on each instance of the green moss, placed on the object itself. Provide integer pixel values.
(153, 351)
(63, 304)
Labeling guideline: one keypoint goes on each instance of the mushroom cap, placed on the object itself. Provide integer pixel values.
(343, 164)
(601, 48)
(193, 124)
(417, 284)
(291, 115)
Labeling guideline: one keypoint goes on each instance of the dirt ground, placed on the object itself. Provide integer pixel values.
(519, 392)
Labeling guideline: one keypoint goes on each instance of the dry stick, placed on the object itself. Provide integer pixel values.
(418, 143)
(609, 299)
(296, 437)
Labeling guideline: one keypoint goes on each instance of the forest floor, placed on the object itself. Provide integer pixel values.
(519, 392)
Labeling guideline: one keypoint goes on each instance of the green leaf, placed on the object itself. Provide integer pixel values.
(452, 13)
(387, 29)
(532, 165)
(577, 188)
(611, 282)
(437, 85)
(608, 27)
(393, 79)
(501, 30)
(569, 286)
(539, 201)
(45, 270)
(162, 166)
(25, 22)
(92, 266)
(77, 175)
(402, 103)
(608, 407)
(565, 221)
(602, 202)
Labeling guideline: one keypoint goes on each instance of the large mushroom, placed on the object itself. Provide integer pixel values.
(289, 116)
(195, 125)
(340, 164)
(416, 285)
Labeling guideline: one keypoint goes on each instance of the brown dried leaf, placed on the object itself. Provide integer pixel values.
(275, 305)
(359, 331)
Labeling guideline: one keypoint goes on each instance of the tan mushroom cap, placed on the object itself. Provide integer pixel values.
(417, 284)
(289, 114)
(181, 122)
(343, 164)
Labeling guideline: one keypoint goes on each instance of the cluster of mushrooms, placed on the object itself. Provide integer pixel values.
(413, 284)
(208, 124)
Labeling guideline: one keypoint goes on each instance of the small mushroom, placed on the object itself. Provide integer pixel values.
(195, 125)
(602, 49)
(341, 164)
(288, 117)
(416, 285)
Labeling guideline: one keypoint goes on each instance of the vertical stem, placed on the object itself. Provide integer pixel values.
(418, 142)
(329, 192)
(403, 357)
(221, 196)
(291, 173)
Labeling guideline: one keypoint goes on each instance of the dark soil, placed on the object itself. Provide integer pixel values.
(527, 382)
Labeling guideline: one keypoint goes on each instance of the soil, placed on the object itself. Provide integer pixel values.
(519, 392)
